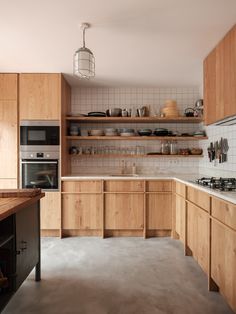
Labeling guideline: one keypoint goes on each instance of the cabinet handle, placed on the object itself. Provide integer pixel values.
(18, 252)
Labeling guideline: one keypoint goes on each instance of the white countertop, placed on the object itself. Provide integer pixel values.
(187, 179)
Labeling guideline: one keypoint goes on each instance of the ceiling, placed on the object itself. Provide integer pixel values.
(135, 42)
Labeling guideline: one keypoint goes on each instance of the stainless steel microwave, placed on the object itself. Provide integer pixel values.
(37, 134)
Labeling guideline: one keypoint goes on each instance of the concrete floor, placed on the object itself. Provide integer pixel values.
(116, 276)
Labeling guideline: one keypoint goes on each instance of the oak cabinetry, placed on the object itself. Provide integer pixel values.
(8, 130)
(40, 96)
(198, 234)
(124, 186)
(199, 198)
(82, 186)
(51, 213)
(224, 212)
(82, 211)
(223, 260)
(180, 213)
(220, 80)
(8, 183)
(124, 211)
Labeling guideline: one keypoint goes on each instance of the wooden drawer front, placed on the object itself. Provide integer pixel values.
(124, 211)
(124, 186)
(224, 211)
(223, 261)
(82, 186)
(158, 186)
(199, 198)
(180, 189)
(180, 217)
(159, 211)
(82, 211)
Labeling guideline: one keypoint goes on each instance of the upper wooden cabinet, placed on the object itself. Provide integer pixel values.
(8, 86)
(220, 80)
(40, 96)
(8, 129)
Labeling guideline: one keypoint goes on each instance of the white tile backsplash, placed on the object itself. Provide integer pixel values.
(85, 100)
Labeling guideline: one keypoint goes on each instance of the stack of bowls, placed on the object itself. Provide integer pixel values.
(111, 132)
(96, 133)
(161, 132)
(170, 109)
(145, 132)
(126, 132)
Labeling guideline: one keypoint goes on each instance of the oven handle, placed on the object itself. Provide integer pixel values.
(39, 162)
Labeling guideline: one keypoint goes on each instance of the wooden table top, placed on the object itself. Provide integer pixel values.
(12, 201)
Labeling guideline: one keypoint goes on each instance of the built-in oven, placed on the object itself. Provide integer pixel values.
(39, 135)
(40, 170)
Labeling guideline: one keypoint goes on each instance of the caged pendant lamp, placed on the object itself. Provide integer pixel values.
(84, 62)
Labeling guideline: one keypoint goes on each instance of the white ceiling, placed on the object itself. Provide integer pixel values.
(135, 42)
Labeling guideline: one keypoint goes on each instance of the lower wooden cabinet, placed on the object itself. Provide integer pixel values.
(223, 261)
(180, 205)
(124, 211)
(198, 234)
(159, 211)
(51, 211)
(8, 183)
(82, 211)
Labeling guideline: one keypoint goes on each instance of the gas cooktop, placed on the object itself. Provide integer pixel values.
(221, 184)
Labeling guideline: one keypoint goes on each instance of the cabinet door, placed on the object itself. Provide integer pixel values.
(159, 211)
(8, 183)
(27, 242)
(226, 76)
(8, 86)
(50, 206)
(124, 211)
(223, 261)
(198, 234)
(180, 217)
(82, 211)
(8, 139)
(40, 96)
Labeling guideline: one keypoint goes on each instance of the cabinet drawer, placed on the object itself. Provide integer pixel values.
(158, 186)
(82, 186)
(124, 211)
(180, 189)
(199, 198)
(81, 211)
(224, 211)
(124, 186)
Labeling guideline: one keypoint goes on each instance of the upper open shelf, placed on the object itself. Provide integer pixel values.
(136, 119)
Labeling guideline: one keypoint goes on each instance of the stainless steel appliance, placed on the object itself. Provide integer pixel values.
(221, 184)
(39, 154)
(39, 135)
(40, 170)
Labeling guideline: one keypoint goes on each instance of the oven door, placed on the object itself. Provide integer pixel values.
(41, 174)
(39, 135)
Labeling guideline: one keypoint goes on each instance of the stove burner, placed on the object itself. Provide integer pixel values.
(222, 184)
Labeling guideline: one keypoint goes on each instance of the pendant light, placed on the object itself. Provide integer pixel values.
(84, 62)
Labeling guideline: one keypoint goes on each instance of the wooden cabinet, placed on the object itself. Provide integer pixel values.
(40, 96)
(159, 211)
(124, 211)
(82, 186)
(220, 80)
(180, 213)
(8, 127)
(198, 234)
(223, 261)
(51, 211)
(8, 183)
(199, 198)
(124, 186)
(224, 212)
(82, 211)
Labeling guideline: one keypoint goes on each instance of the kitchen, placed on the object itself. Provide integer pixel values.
(117, 178)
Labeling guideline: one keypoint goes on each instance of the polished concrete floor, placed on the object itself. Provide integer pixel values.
(116, 276)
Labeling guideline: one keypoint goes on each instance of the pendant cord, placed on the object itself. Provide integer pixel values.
(84, 37)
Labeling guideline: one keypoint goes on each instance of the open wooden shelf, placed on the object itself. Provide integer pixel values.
(133, 156)
(138, 138)
(136, 119)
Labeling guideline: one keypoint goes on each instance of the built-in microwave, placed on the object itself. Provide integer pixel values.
(39, 134)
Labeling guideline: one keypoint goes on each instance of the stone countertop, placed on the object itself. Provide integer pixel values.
(188, 179)
(12, 201)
